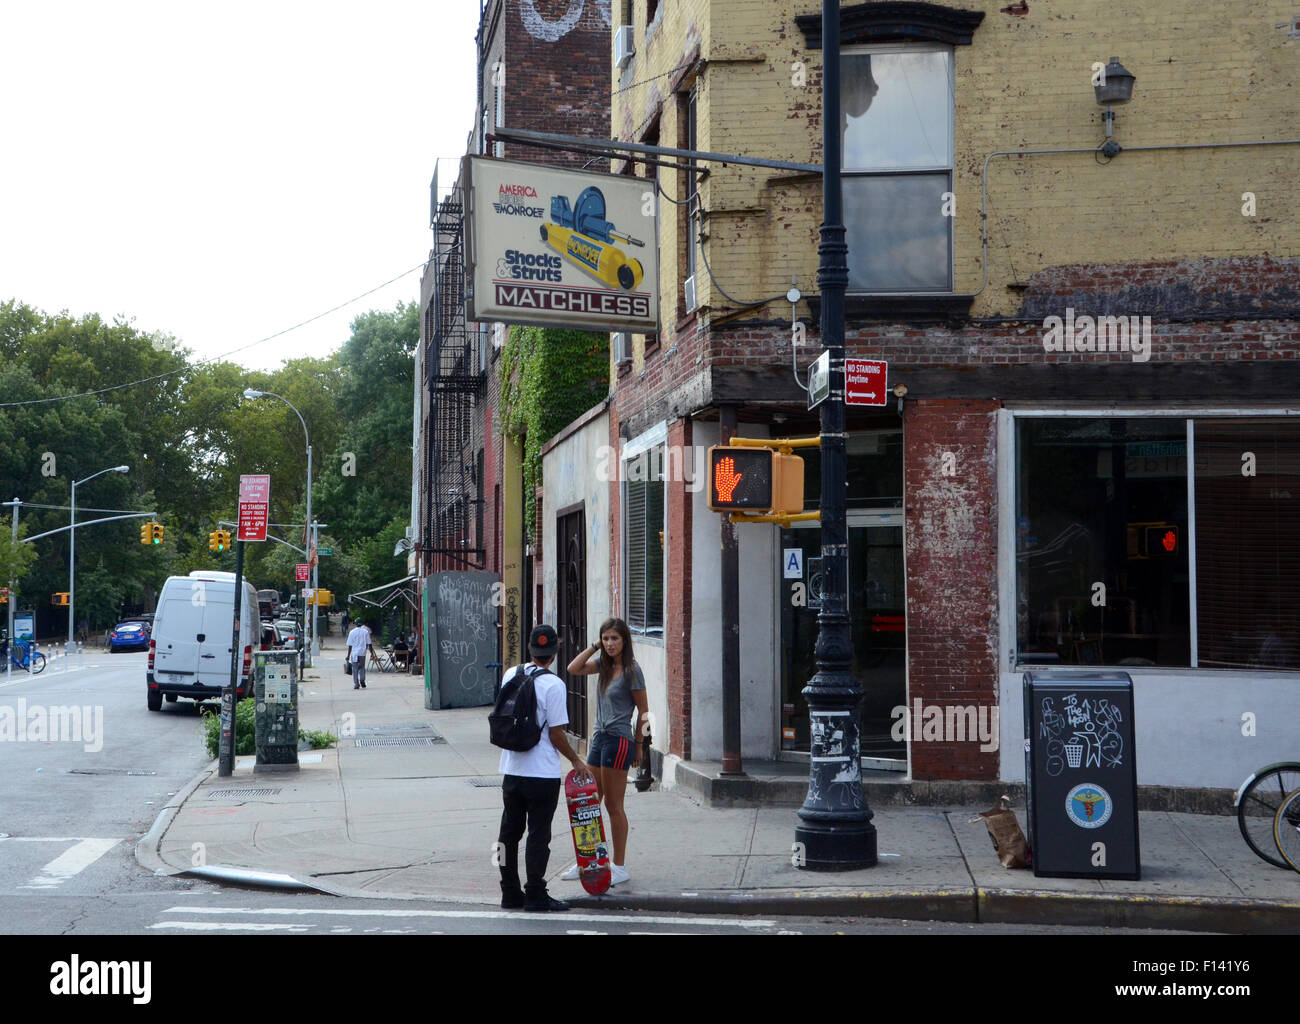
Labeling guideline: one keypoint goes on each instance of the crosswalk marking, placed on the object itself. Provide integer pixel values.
(221, 926)
(698, 922)
(67, 864)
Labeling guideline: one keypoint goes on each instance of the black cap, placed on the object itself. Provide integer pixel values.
(543, 641)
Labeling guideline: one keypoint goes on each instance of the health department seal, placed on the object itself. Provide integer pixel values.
(1088, 805)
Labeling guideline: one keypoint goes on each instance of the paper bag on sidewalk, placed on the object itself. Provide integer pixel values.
(1008, 840)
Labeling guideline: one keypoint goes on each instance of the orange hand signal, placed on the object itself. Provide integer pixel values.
(726, 478)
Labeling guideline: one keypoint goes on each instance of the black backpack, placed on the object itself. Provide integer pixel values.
(513, 722)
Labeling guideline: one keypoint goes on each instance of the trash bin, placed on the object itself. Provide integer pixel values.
(275, 690)
(1081, 775)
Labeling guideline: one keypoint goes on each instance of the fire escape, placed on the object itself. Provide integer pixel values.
(454, 377)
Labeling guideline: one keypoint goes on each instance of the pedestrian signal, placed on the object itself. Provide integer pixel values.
(60, 600)
(1161, 541)
(757, 480)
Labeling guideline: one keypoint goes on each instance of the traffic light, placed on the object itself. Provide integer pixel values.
(223, 540)
(4, 595)
(156, 532)
(146, 533)
(212, 540)
(60, 600)
(755, 480)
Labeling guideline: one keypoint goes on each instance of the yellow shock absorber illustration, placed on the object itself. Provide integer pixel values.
(585, 238)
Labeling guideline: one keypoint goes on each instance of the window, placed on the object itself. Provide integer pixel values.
(1108, 515)
(643, 503)
(687, 223)
(897, 119)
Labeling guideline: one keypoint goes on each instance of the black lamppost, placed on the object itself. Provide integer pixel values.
(836, 833)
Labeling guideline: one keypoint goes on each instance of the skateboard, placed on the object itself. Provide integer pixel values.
(588, 829)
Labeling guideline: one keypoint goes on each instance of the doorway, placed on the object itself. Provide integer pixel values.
(877, 623)
(571, 624)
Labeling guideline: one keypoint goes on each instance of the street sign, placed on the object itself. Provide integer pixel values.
(819, 380)
(325, 551)
(301, 573)
(254, 506)
(864, 381)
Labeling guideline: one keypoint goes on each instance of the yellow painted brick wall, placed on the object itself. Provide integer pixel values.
(1206, 72)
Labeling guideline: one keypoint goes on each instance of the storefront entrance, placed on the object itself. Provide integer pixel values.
(878, 625)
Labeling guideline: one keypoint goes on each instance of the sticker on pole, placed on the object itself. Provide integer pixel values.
(254, 506)
(864, 381)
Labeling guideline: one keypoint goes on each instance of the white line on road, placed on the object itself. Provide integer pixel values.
(70, 862)
(484, 915)
(221, 926)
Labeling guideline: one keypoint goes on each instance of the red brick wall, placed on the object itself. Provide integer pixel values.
(950, 539)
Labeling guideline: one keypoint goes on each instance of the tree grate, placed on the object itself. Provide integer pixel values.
(239, 794)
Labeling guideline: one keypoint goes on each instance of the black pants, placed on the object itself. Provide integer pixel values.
(530, 801)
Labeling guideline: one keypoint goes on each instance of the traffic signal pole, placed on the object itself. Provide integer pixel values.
(731, 763)
(226, 748)
(836, 833)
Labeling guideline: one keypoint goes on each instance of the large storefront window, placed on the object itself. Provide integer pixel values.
(1101, 523)
(1248, 543)
(1105, 537)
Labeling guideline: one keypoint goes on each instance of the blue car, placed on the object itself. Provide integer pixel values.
(129, 634)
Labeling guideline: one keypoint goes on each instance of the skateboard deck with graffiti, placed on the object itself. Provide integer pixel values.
(588, 829)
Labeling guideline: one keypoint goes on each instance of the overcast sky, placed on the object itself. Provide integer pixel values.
(222, 172)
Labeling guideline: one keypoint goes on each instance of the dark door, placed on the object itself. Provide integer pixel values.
(571, 583)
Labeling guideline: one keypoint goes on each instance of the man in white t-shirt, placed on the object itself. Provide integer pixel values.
(530, 790)
(358, 646)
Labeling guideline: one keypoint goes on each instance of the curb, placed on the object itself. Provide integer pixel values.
(982, 906)
(146, 849)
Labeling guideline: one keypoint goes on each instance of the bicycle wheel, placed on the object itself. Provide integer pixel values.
(37, 663)
(1286, 830)
(1257, 802)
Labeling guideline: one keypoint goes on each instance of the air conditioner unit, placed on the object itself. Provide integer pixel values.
(623, 49)
(689, 289)
(622, 342)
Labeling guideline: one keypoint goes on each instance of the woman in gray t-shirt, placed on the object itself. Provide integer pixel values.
(614, 747)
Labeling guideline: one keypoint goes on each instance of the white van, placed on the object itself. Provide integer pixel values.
(189, 652)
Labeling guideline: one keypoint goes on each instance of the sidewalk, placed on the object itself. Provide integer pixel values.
(409, 808)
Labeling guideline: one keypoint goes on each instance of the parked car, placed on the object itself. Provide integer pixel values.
(288, 631)
(271, 638)
(129, 634)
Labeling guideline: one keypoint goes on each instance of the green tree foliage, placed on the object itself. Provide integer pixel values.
(188, 435)
(549, 378)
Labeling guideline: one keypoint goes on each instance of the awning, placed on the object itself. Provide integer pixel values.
(388, 598)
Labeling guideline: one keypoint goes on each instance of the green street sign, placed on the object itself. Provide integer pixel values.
(324, 551)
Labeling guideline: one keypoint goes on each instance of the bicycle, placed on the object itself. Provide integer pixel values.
(1286, 829)
(26, 657)
(1258, 801)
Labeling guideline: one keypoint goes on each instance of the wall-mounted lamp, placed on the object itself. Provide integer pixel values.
(900, 392)
(1115, 86)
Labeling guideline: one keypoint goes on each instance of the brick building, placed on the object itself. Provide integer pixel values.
(1037, 497)
(542, 64)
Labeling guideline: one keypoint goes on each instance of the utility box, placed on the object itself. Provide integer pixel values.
(1081, 775)
(275, 690)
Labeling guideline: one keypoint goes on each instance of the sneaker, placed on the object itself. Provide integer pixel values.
(571, 875)
(512, 900)
(356, 686)
(363, 686)
(617, 875)
(545, 904)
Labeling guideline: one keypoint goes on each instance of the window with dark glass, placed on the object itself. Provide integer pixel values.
(1248, 543)
(1101, 541)
(897, 121)
(643, 541)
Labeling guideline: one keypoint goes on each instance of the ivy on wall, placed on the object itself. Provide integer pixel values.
(549, 377)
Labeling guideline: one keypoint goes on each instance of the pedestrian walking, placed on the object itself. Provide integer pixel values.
(614, 746)
(530, 789)
(358, 646)
(346, 619)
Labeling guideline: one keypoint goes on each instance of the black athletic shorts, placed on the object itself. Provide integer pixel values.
(609, 751)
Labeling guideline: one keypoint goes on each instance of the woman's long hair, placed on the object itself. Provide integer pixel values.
(607, 668)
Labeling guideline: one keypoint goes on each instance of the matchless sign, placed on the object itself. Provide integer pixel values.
(560, 248)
